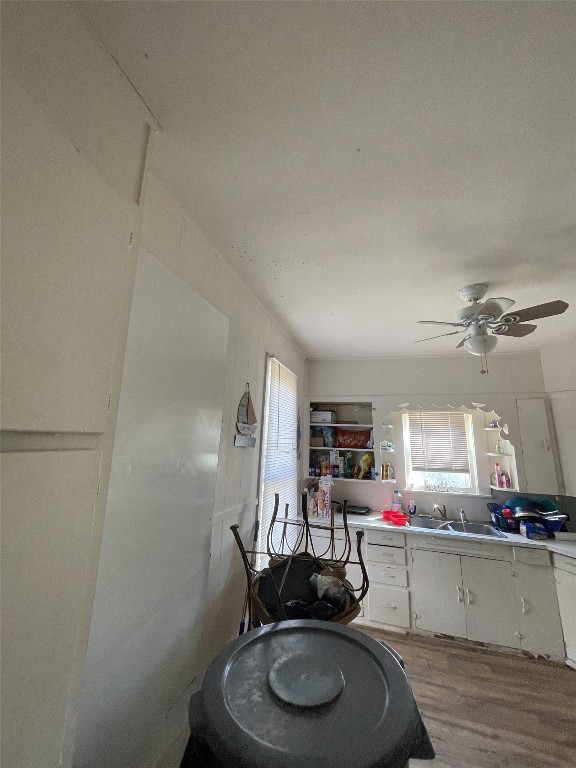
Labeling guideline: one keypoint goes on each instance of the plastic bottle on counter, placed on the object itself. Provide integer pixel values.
(396, 505)
(411, 507)
(387, 471)
(325, 496)
(347, 473)
(498, 476)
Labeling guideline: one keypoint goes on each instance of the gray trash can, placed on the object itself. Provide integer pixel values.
(305, 694)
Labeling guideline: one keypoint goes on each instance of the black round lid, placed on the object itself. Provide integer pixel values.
(306, 693)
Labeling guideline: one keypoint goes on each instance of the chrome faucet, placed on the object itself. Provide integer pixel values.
(463, 516)
(441, 511)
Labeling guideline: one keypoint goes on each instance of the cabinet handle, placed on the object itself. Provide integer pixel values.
(470, 596)
(460, 592)
(389, 605)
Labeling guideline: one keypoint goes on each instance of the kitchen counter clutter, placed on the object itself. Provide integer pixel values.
(502, 592)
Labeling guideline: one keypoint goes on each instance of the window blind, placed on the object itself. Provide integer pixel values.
(279, 473)
(438, 441)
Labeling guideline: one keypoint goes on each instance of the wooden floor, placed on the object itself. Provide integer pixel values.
(489, 710)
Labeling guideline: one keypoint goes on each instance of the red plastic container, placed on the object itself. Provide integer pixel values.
(386, 514)
(398, 518)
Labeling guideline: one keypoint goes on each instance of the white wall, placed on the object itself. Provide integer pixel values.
(172, 237)
(452, 380)
(75, 127)
(153, 576)
(559, 369)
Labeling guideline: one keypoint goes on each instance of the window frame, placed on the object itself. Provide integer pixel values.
(270, 457)
(470, 431)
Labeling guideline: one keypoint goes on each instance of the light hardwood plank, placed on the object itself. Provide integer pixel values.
(485, 709)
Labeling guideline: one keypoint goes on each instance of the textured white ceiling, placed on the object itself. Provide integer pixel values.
(358, 162)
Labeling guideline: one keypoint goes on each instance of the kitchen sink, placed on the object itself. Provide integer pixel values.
(427, 522)
(477, 528)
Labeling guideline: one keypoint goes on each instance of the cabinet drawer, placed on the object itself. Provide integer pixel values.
(389, 538)
(532, 556)
(563, 563)
(324, 531)
(393, 575)
(389, 605)
(459, 546)
(322, 548)
(392, 555)
(318, 529)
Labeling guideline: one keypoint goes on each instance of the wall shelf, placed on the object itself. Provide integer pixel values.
(499, 452)
(344, 414)
(314, 424)
(354, 479)
(326, 448)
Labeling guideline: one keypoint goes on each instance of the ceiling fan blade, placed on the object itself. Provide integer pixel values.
(462, 342)
(495, 307)
(539, 310)
(451, 333)
(516, 329)
(438, 322)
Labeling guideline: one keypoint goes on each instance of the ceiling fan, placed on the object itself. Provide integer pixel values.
(492, 315)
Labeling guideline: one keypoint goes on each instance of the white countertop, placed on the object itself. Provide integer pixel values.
(564, 544)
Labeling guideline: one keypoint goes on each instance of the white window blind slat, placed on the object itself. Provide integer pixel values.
(279, 472)
(438, 442)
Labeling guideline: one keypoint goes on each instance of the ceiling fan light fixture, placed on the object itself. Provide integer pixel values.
(494, 314)
(480, 344)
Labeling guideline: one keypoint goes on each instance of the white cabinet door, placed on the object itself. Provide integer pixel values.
(537, 448)
(490, 601)
(437, 593)
(354, 576)
(537, 605)
(65, 249)
(321, 547)
(389, 605)
(47, 514)
(566, 586)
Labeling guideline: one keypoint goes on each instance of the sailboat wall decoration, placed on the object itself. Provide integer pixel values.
(246, 422)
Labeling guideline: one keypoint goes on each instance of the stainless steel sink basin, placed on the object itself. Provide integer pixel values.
(476, 528)
(427, 522)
